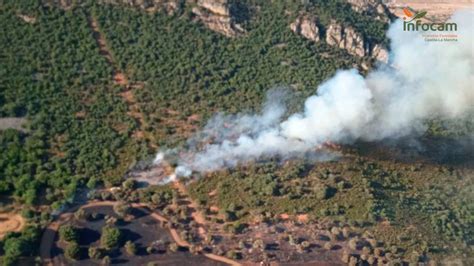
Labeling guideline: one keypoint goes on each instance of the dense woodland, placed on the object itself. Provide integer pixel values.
(79, 131)
(80, 134)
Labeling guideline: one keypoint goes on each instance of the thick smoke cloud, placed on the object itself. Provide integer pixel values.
(424, 80)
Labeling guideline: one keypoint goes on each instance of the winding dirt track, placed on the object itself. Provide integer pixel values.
(199, 218)
(195, 213)
(47, 240)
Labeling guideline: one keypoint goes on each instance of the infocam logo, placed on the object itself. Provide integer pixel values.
(412, 22)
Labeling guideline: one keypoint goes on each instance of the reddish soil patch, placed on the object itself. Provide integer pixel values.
(138, 134)
(213, 193)
(197, 215)
(182, 126)
(120, 79)
(128, 96)
(58, 141)
(385, 223)
(80, 114)
(104, 51)
(172, 112)
(10, 222)
(194, 117)
(302, 218)
(57, 153)
(120, 127)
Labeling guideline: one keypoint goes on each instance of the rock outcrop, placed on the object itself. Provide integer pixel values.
(346, 38)
(169, 6)
(307, 27)
(27, 19)
(380, 53)
(374, 8)
(217, 7)
(336, 35)
(216, 15)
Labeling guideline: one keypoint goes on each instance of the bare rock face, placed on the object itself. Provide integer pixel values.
(169, 6)
(307, 27)
(336, 35)
(218, 7)
(380, 53)
(215, 14)
(349, 39)
(218, 23)
(345, 38)
(375, 8)
(27, 19)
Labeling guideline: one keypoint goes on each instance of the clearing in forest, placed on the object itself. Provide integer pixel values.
(10, 222)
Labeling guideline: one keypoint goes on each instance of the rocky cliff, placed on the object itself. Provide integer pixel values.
(170, 6)
(215, 14)
(375, 8)
(346, 38)
(218, 16)
(307, 27)
(336, 35)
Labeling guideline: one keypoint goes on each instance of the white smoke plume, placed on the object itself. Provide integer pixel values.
(424, 80)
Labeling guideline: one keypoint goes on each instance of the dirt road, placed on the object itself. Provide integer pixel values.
(47, 240)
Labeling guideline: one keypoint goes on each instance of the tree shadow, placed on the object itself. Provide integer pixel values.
(138, 213)
(88, 236)
(130, 235)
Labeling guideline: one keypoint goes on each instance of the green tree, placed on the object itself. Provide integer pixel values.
(157, 199)
(129, 184)
(122, 209)
(111, 237)
(130, 248)
(323, 191)
(8, 261)
(95, 253)
(80, 214)
(73, 251)
(68, 233)
(15, 247)
(106, 260)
